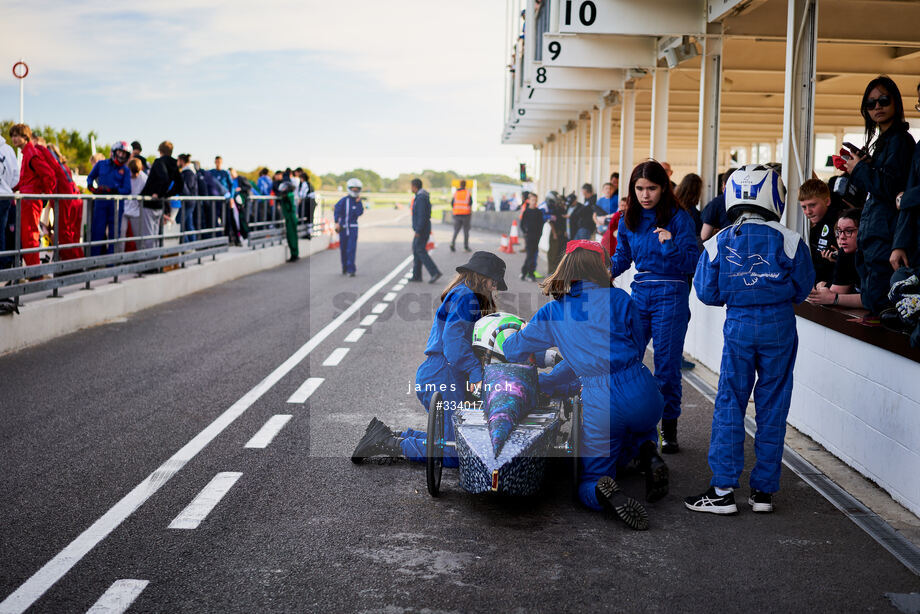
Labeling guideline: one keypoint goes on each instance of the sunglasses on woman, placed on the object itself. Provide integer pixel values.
(883, 101)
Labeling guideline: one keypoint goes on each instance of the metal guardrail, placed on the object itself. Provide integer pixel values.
(262, 218)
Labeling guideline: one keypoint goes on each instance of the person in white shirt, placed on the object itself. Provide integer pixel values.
(132, 214)
(9, 176)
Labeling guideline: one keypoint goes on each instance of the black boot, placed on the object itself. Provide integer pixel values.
(378, 440)
(655, 470)
(625, 508)
(669, 436)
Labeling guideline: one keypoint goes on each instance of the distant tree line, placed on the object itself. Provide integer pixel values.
(432, 179)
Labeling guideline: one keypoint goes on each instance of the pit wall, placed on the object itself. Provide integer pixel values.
(859, 401)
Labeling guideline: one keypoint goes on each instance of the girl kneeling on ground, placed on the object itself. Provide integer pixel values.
(597, 329)
(451, 363)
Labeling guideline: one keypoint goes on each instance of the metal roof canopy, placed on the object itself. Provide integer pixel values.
(856, 41)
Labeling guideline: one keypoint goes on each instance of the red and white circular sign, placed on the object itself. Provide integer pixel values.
(20, 70)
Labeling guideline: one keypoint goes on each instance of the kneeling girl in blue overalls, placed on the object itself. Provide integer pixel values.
(660, 238)
(598, 331)
(451, 366)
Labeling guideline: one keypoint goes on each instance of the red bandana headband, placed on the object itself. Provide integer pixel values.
(594, 246)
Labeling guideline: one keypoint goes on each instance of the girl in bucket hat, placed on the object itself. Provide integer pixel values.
(450, 365)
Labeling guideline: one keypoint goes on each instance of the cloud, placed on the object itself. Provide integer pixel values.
(388, 79)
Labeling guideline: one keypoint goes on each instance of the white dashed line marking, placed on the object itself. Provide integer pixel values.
(368, 320)
(207, 500)
(264, 435)
(354, 335)
(389, 296)
(306, 389)
(119, 597)
(379, 308)
(397, 287)
(38, 583)
(335, 357)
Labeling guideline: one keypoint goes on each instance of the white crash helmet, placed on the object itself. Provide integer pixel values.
(490, 332)
(354, 183)
(755, 188)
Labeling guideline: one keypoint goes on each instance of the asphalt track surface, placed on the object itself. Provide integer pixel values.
(87, 417)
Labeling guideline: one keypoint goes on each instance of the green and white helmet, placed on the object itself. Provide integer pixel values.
(490, 332)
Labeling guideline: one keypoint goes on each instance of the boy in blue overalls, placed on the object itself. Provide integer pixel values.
(759, 269)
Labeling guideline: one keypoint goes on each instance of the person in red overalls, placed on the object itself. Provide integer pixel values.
(69, 212)
(36, 177)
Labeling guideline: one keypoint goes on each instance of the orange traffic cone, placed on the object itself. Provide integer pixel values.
(333, 243)
(506, 245)
(514, 232)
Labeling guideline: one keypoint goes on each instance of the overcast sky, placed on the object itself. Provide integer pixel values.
(392, 86)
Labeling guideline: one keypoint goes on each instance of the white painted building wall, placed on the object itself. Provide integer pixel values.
(857, 400)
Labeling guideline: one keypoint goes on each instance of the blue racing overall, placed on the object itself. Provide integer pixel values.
(451, 363)
(347, 212)
(599, 333)
(759, 270)
(661, 292)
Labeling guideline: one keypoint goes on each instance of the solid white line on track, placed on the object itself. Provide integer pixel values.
(28, 593)
(266, 434)
(379, 308)
(306, 389)
(335, 357)
(119, 597)
(207, 500)
(368, 320)
(354, 335)
(389, 296)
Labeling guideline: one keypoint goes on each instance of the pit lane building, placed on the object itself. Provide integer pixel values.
(598, 85)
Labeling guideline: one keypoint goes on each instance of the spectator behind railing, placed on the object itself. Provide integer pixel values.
(843, 286)
(9, 176)
(906, 244)
(164, 181)
(189, 188)
(136, 154)
(69, 212)
(881, 169)
(132, 214)
(35, 177)
(114, 178)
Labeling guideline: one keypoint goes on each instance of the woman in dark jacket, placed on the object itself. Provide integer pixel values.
(883, 174)
(906, 245)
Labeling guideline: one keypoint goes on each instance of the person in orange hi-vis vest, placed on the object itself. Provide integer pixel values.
(462, 205)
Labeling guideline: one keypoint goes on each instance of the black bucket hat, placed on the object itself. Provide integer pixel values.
(488, 264)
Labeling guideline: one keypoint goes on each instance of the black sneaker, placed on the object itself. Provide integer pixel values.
(378, 440)
(625, 508)
(435, 277)
(415, 279)
(685, 364)
(710, 502)
(669, 443)
(656, 472)
(452, 247)
(523, 277)
(761, 502)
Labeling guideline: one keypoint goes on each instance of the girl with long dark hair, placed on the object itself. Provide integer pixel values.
(660, 238)
(881, 169)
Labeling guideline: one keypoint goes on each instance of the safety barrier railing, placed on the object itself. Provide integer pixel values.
(258, 214)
